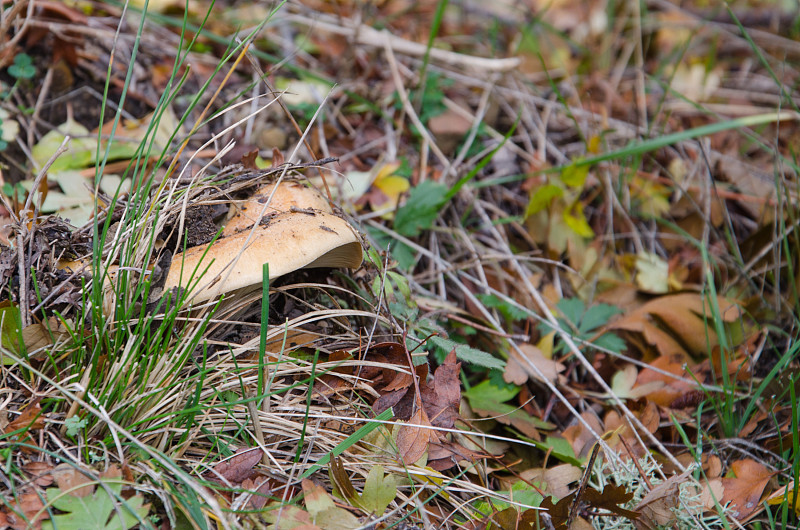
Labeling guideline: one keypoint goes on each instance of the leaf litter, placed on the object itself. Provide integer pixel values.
(535, 280)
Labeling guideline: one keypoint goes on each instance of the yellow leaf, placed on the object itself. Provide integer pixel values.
(652, 273)
(576, 220)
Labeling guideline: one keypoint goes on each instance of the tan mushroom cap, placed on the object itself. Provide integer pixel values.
(289, 195)
(298, 230)
(290, 241)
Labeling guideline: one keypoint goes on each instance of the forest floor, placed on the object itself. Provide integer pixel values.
(399, 264)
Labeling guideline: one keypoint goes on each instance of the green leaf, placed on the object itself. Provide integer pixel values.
(23, 67)
(610, 341)
(74, 425)
(511, 312)
(379, 491)
(489, 399)
(541, 198)
(572, 309)
(486, 395)
(97, 511)
(468, 354)
(421, 208)
(596, 316)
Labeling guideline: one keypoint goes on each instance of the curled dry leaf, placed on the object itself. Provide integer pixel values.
(441, 397)
(668, 323)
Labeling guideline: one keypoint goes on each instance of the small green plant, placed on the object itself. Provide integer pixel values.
(585, 324)
(22, 68)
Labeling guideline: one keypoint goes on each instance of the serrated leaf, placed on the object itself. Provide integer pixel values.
(572, 309)
(469, 354)
(421, 208)
(596, 316)
(379, 491)
(97, 511)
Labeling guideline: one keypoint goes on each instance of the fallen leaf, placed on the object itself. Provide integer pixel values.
(379, 491)
(787, 495)
(323, 511)
(624, 381)
(102, 511)
(238, 467)
(670, 322)
(671, 389)
(555, 480)
(441, 396)
(487, 399)
(413, 437)
(580, 438)
(743, 490)
(657, 507)
(72, 481)
(519, 369)
(28, 512)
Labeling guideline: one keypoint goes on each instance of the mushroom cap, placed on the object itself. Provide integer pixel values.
(289, 195)
(289, 241)
(298, 230)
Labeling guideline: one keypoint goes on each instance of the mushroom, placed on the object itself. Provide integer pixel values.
(297, 230)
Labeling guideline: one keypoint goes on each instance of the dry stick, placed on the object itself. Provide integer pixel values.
(363, 34)
(259, 433)
(401, 91)
(43, 93)
(297, 128)
(641, 97)
(576, 502)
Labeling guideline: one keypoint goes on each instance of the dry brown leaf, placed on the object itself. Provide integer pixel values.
(582, 438)
(414, 437)
(744, 490)
(239, 466)
(441, 396)
(556, 480)
(30, 418)
(29, 514)
(672, 388)
(40, 472)
(519, 370)
(675, 325)
(656, 508)
(72, 481)
(712, 494)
